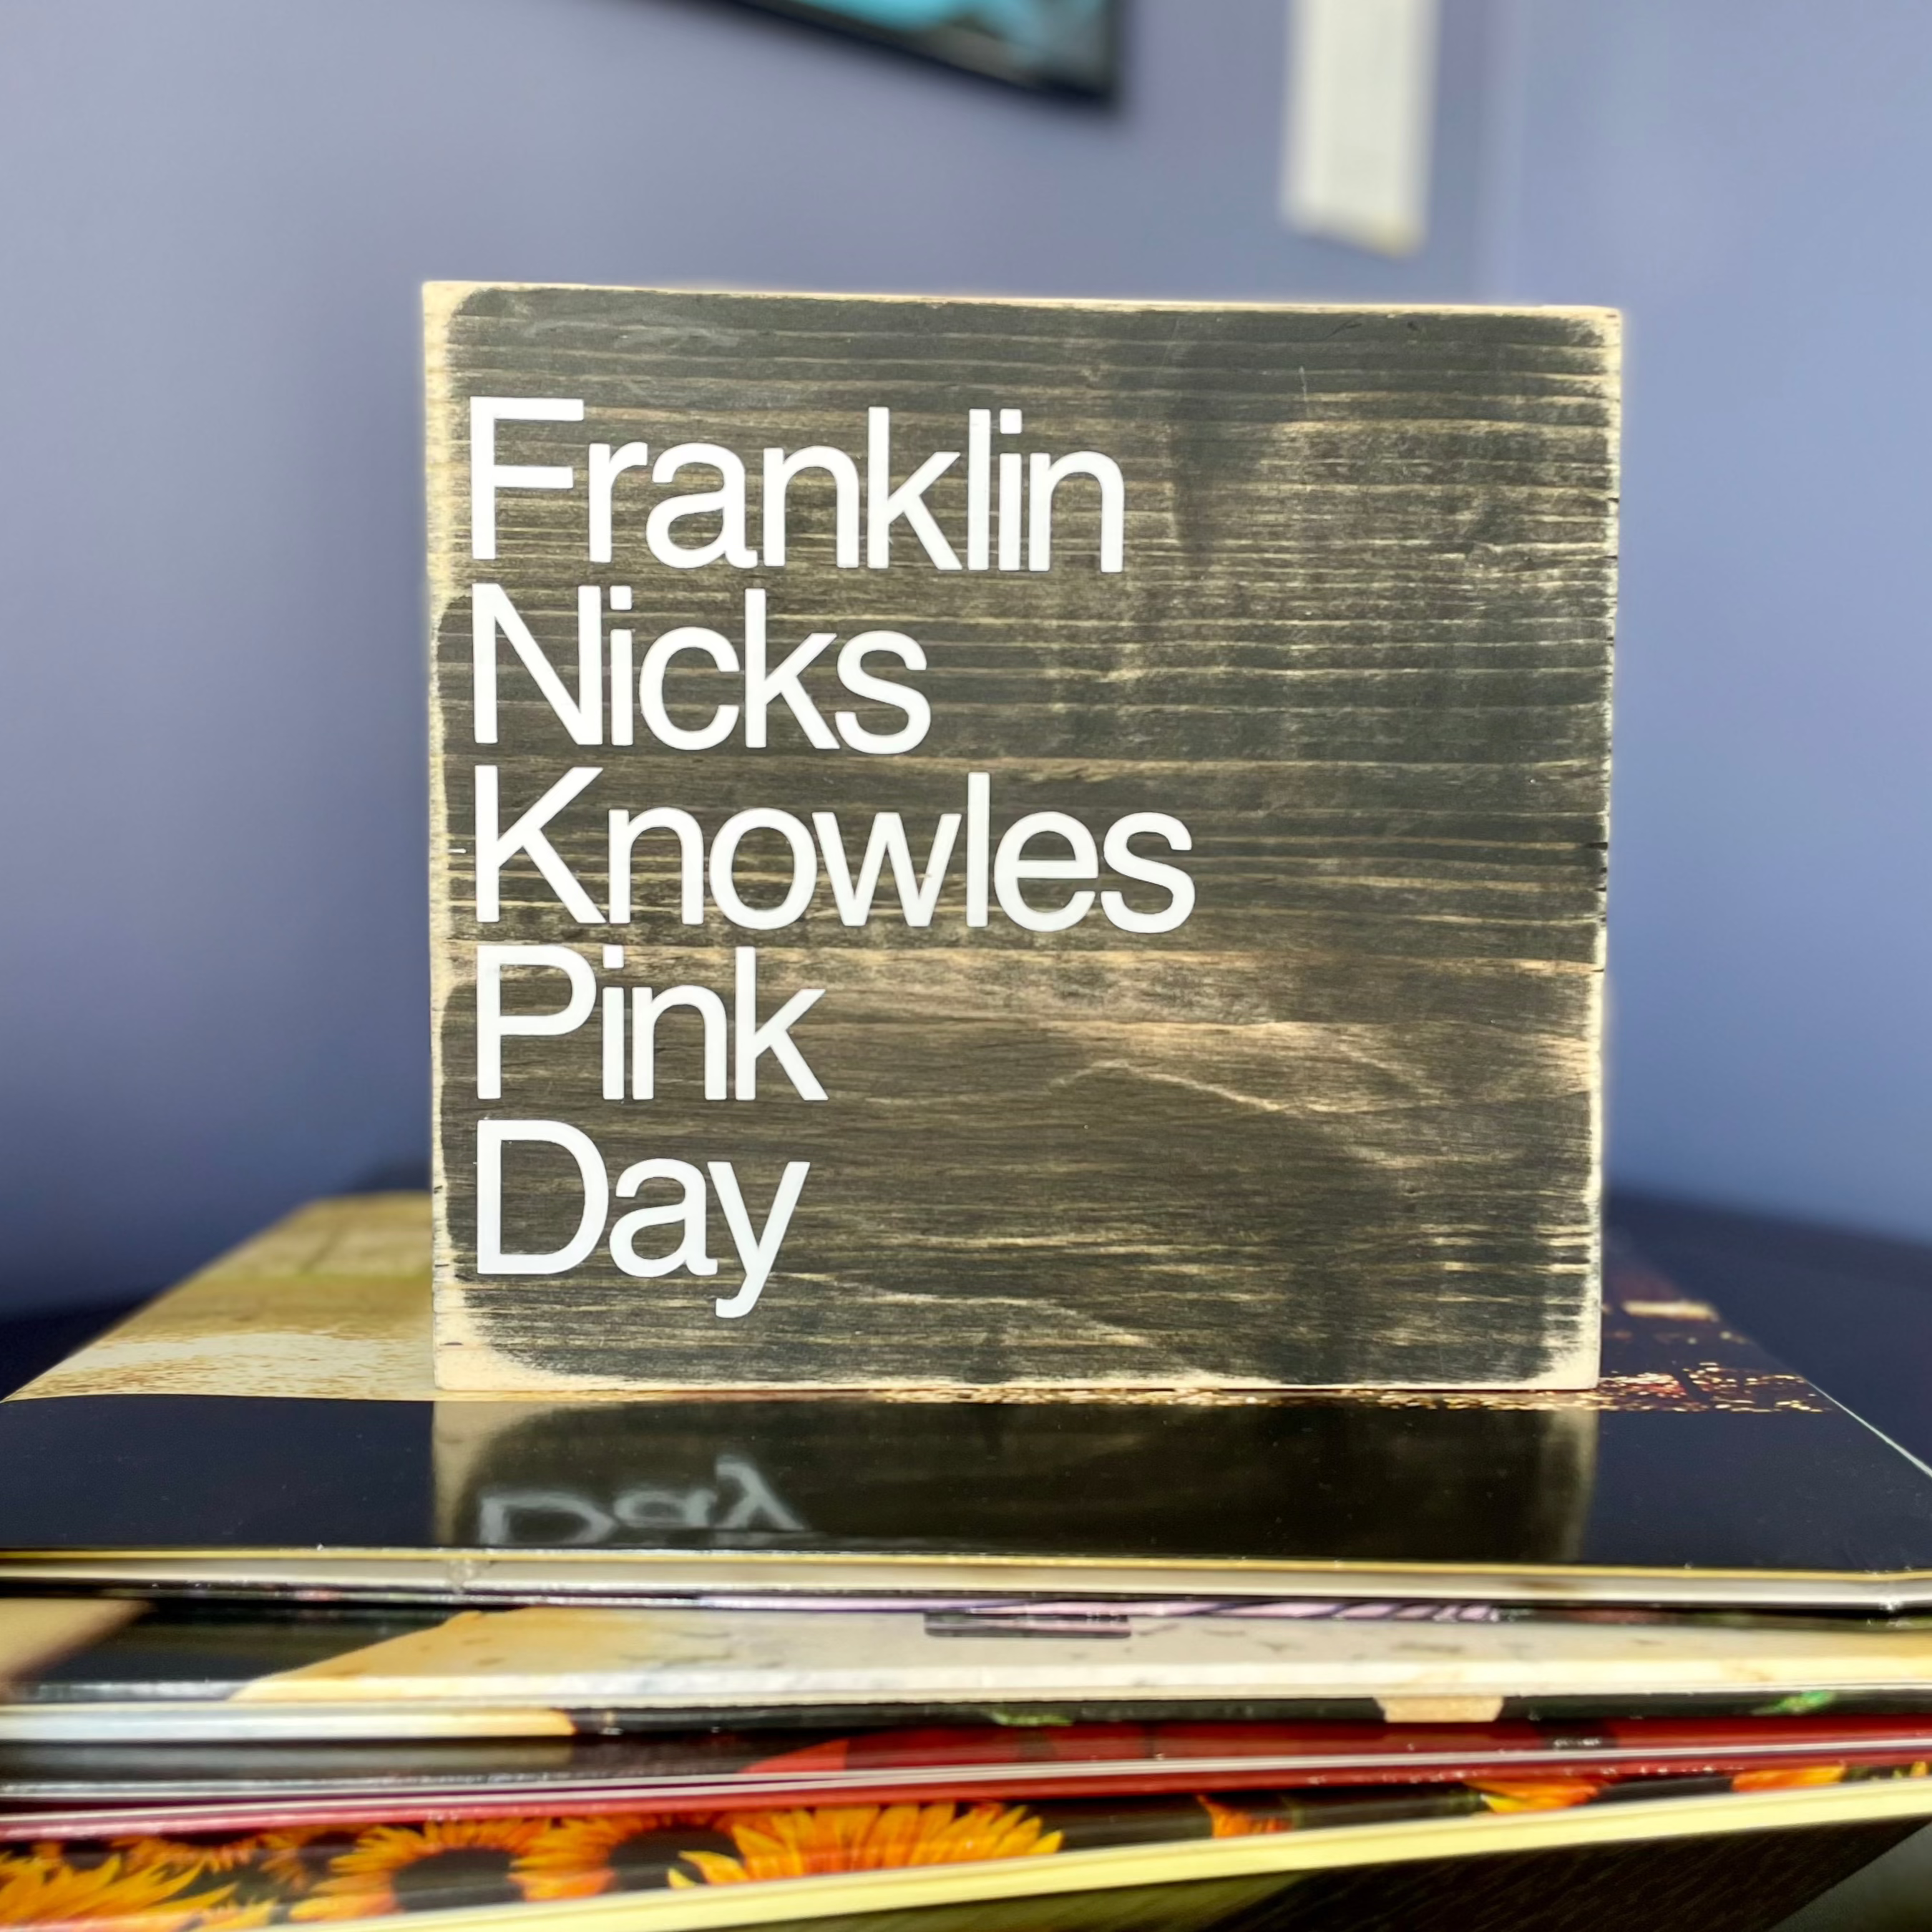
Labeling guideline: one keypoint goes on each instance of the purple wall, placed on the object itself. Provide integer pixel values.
(215, 214)
(1749, 179)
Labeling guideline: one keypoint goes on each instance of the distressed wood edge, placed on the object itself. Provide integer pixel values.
(1588, 1353)
(1580, 1366)
(467, 1362)
(444, 301)
(441, 301)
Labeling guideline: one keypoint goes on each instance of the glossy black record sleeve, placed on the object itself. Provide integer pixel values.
(1698, 1470)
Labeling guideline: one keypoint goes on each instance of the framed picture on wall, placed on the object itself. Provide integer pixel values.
(1057, 46)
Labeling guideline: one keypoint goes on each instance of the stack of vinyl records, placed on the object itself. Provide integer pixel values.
(288, 1636)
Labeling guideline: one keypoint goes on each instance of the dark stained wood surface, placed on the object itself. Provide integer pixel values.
(1341, 1126)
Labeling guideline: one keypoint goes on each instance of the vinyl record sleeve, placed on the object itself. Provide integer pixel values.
(522, 1673)
(273, 1422)
(685, 1871)
(82, 1790)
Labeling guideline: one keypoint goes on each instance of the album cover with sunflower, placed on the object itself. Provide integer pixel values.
(141, 1882)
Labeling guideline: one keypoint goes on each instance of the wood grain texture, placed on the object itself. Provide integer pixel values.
(1341, 1126)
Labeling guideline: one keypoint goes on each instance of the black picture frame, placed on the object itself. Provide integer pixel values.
(1066, 47)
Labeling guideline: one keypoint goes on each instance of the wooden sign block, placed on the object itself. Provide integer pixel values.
(990, 845)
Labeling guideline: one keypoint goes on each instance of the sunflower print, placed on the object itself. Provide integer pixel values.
(338, 1872)
(1538, 1794)
(446, 1862)
(240, 1917)
(277, 1856)
(291, 1860)
(578, 1857)
(868, 1837)
(1229, 1821)
(44, 1891)
(1777, 1779)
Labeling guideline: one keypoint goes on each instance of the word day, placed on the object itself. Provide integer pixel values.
(757, 1246)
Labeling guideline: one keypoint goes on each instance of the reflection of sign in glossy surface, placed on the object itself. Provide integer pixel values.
(1017, 844)
(1316, 1480)
(1063, 46)
(736, 1498)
